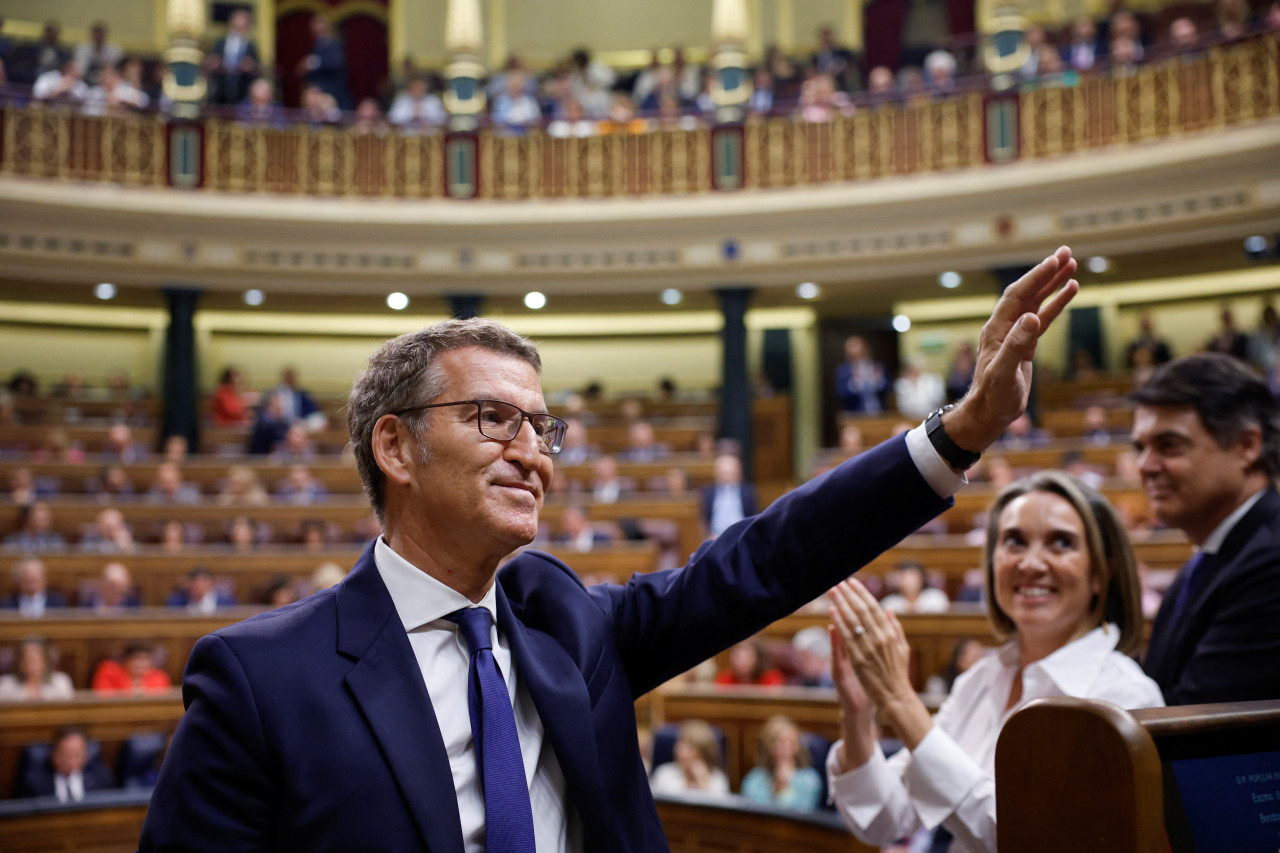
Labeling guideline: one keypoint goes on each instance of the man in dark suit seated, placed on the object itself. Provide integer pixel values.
(730, 500)
(68, 773)
(200, 594)
(341, 722)
(1208, 440)
(32, 596)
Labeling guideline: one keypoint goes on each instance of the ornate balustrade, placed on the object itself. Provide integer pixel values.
(1223, 86)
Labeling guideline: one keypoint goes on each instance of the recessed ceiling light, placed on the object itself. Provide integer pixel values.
(397, 301)
(254, 297)
(1099, 264)
(808, 290)
(534, 300)
(901, 323)
(104, 290)
(671, 296)
(1256, 244)
(950, 279)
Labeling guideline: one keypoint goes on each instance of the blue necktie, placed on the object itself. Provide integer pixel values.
(1189, 582)
(508, 815)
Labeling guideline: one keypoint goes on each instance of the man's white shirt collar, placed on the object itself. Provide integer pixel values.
(1213, 542)
(418, 597)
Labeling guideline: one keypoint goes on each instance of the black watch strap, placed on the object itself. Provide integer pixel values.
(955, 455)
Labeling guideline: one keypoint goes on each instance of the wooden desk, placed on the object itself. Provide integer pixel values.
(717, 824)
(101, 824)
(108, 720)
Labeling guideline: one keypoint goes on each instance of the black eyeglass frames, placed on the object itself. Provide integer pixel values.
(502, 421)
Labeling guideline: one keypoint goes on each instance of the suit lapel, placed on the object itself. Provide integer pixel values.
(559, 693)
(386, 683)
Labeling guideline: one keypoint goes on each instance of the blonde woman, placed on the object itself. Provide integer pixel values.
(784, 776)
(696, 766)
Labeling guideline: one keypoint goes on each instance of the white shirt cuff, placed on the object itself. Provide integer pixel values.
(861, 793)
(939, 777)
(937, 473)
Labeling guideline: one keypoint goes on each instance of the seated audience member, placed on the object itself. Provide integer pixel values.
(1082, 52)
(515, 109)
(137, 674)
(32, 596)
(97, 53)
(296, 404)
(259, 107)
(111, 484)
(269, 427)
(63, 85)
(35, 678)
(115, 592)
(113, 94)
(109, 535)
(1022, 434)
(176, 449)
(170, 489)
(327, 575)
(964, 654)
(940, 72)
(313, 534)
(1096, 429)
(69, 772)
(1184, 38)
(577, 533)
(200, 594)
(35, 533)
(319, 107)
(1125, 468)
(416, 106)
(812, 658)
(730, 500)
(369, 118)
(606, 486)
(575, 449)
(861, 382)
(1063, 589)
(912, 593)
(242, 488)
(173, 537)
(696, 764)
(242, 533)
(301, 488)
(1073, 463)
(960, 372)
(747, 666)
(25, 487)
(642, 443)
(296, 447)
(917, 391)
(281, 591)
(784, 776)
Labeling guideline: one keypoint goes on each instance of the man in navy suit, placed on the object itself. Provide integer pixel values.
(1208, 438)
(729, 500)
(69, 773)
(341, 722)
(32, 596)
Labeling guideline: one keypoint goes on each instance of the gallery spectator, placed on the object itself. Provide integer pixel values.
(63, 85)
(296, 403)
(836, 61)
(918, 391)
(784, 776)
(515, 109)
(242, 488)
(695, 765)
(1229, 340)
(35, 678)
(319, 107)
(97, 54)
(861, 381)
(940, 72)
(369, 119)
(416, 106)
(109, 535)
(1148, 340)
(260, 106)
(880, 84)
(747, 666)
(114, 593)
(233, 64)
(170, 489)
(136, 673)
(1184, 38)
(51, 54)
(1081, 53)
(325, 67)
(820, 101)
(1034, 39)
(31, 596)
(113, 94)
(229, 404)
(730, 499)
(200, 594)
(69, 772)
(300, 487)
(35, 533)
(911, 591)
(761, 101)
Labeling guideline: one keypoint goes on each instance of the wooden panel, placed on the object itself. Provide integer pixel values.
(695, 826)
(104, 829)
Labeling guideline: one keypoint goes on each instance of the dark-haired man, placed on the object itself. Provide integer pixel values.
(432, 702)
(1208, 439)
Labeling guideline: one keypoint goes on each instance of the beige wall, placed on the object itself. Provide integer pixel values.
(135, 25)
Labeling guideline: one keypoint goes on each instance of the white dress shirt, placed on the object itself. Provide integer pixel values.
(69, 789)
(949, 779)
(421, 602)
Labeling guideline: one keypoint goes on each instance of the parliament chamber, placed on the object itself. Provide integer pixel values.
(189, 285)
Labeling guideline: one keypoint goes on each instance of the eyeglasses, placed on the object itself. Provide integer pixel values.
(502, 421)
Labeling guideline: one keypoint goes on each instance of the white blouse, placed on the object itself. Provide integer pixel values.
(949, 779)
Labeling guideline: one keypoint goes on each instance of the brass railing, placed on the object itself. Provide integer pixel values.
(1220, 87)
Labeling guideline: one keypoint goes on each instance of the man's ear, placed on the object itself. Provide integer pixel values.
(394, 449)
(1249, 445)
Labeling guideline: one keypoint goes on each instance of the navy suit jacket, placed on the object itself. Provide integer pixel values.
(749, 505)
(51, 599)
(310, 727)
(1225, 647)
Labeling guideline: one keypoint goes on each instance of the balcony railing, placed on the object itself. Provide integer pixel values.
(1223, 86)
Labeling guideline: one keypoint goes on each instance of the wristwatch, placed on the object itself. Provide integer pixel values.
(954, 455)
